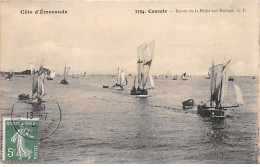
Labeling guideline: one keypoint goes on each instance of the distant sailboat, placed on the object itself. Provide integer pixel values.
(168, 73)
(50, 75)
(144, 61)
(121, 79)
(38, 90)
(66, 75)
(218, 89)
(208, 77)
(183, 77)
(231, 78)
(175, 77)
(9, 75)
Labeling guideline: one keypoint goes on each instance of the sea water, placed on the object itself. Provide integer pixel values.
(110, 126)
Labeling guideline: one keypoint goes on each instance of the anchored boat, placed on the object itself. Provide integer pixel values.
(144, 61)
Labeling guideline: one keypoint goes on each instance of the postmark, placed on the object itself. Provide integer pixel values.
(49, 115)
(20, 139)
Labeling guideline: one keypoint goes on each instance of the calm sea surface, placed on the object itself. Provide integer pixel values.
(110, 126)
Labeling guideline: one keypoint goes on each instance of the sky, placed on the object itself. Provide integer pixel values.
(94, 37)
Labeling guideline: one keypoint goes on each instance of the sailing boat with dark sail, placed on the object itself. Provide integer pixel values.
(145, 55)
(218, 89)
(121, 79)
(183, 77)
(38, 91)
(66, 75)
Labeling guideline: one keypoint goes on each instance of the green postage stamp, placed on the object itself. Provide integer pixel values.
(20, 139)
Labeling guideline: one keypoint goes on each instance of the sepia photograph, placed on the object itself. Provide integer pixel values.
(129, 82)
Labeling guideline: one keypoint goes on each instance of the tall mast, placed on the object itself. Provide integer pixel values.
(65, 70)
(211, 85)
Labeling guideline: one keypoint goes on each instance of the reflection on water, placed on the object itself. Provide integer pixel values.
(99, 125)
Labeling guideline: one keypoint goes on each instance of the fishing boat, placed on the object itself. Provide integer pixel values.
(183, 77)
(167, 74)
(253, 77)
(231, 78)
(175, 77)
(50, 75)
(145, 55)
(38, 90)
(218, 89)
(64, 81)
(156, 76)
(8, 76)
(188, 104)
(121, 79)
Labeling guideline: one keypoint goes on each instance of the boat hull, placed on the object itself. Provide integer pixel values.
(139, 92)
(65, 82)
(188, 104)
(210, 112)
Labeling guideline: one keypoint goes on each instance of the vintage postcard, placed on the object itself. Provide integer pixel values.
(129, 82)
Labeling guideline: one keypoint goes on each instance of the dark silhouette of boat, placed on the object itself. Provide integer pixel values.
(188, 104)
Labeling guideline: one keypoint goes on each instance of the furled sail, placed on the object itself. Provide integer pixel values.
(219, 82)
(238, 94)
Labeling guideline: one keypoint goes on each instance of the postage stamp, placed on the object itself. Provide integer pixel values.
(20, 139)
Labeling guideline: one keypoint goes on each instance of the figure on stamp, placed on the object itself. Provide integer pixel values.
(22, 150)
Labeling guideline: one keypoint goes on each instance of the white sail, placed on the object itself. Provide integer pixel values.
(148, 55)
(122, 77)
(151, 81)
(38, 73)
(238, 94)
(118, 76)
(41, 76)
(219, 82)
(52, 74)
(140, 60)
(66, 72)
